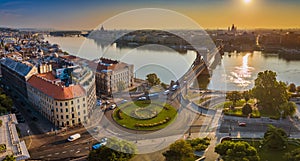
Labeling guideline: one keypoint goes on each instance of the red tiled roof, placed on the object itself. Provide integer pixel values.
(47, 75)
(55, 91)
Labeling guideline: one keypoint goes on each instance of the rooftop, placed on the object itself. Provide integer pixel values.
(21, 68)
(53, 88)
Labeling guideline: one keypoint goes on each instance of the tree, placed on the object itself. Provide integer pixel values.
(292, 87)
(114, 151)
(298, 89)
(153, 79)
(179, 151)
(9, 158)
(237, 151)
(247, 95)
(275, 138)
(288, 108)
(234, 96)
(247, 109)
(269, 92)
(121, 86)
(293, 155)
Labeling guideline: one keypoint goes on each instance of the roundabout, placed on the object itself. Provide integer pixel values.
(144, 116)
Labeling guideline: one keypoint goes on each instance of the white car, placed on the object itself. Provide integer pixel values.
(142, 98)
(74, 137)
(166, 92)
(113, 106)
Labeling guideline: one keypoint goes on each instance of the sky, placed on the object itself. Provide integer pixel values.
(213, 14)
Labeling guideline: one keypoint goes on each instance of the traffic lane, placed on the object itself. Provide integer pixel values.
(255, 126)
(64, 149)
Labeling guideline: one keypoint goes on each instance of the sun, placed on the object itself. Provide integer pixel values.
(247, 1)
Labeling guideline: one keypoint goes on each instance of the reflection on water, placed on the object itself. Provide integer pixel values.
(235, 72)
(241, 75)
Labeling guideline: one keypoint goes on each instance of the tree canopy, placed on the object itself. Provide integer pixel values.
(292, 87)
(269, 92)
(293, 155)
(247, 109)
(9, 158)
(234, 96)
(237, 151)
(179, 151)
(275, 138)
(118, 151)
(153, 79)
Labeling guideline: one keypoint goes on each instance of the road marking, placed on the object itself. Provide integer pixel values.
(41, 156)
(64, 152)
(56, 153)
(49, 155)
(78, 151)
(86, 147)
(71, 150)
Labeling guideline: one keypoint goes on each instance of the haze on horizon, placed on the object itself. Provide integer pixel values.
(211, 14)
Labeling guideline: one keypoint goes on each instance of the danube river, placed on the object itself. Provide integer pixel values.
(236, 71)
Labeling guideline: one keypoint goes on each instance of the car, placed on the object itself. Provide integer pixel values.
(98, 145)
(74, 137)
(124, 101)
(242, 124)
(99, 103)
(142, 98)
(95, 129)
(113, 106)
(175, 87)
(166, 92)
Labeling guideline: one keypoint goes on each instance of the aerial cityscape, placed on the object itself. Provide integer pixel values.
(150, 81)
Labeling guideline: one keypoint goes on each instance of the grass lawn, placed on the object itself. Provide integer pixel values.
(129, 121)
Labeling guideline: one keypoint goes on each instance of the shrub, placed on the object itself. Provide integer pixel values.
(247, 109)
(0, 123)
(2, 148)
(119, 114)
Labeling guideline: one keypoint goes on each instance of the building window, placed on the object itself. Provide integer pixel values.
(61, 110)
(78, 113)
(78, 107)
(62, 117)
(84, 105)
(73, 122)
(60, 104)
(72, 109)
(83, 99)
(71, 102)
(56, 109)
(77, 100)
(56, 103)
(73, 116)
(67, 116)
(67, 110)
(66, 103)
(57, 116)
(84, 112)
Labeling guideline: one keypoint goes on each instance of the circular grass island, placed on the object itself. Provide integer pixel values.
(143, 115)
